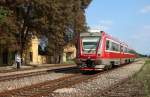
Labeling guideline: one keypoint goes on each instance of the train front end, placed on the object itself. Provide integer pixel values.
(89, 51)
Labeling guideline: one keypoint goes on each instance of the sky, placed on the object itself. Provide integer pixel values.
(127, 20)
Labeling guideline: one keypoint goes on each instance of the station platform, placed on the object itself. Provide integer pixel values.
(11, 70)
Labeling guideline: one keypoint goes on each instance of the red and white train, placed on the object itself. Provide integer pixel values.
(98, 51)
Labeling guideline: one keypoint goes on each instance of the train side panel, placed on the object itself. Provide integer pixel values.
(118, 57)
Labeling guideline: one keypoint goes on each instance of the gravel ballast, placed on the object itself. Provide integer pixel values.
(99, 83)
(27, 81)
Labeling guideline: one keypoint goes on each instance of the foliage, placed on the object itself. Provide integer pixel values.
(52, 18)
(138, 54)
(7, 29)
(3, 14)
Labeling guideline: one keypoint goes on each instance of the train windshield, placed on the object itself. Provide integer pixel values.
(90, 43)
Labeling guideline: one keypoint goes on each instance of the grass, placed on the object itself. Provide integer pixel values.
(144, 77)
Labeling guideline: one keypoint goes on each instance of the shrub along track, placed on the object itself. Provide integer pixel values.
(46, 89)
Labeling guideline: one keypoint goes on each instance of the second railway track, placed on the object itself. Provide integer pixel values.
(15, 81)
(46, 88)
(28, 74)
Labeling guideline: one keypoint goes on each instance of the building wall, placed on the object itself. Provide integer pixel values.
(69, 52)
(31, 55)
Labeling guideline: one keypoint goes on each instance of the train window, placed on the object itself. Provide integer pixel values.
(107, 45)
(128, 50)
(115, 47)
(125, 50)
(90, 43)
(121, 48)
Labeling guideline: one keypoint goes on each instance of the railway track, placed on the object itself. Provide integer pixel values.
(13, 69)
(22, 75)
(46, 89)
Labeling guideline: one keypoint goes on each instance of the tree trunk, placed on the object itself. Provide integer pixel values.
(61, 58)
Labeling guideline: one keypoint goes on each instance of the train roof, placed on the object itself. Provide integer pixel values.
(107, 35)
(115, 39)
(91, 34)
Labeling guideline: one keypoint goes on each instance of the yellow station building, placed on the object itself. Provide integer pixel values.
(32, 56)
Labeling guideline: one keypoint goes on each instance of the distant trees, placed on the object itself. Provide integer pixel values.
(53, 18)
(138, 54)
(142, 55)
